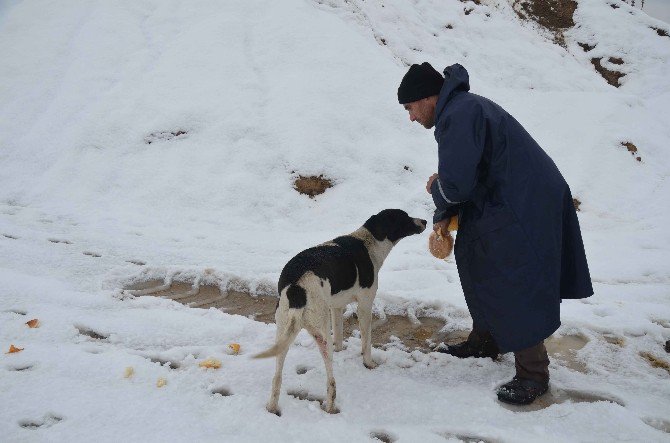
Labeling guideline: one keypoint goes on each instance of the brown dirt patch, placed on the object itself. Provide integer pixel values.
(656, 362)
(262, 308)
(576, 204)
(616, 60)
(564, 348)
(586, 47)
(660, 32)
(312, 185)
(630, 147)
(553, 15)
(612, 77)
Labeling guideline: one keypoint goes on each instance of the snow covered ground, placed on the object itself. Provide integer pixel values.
(92, 179)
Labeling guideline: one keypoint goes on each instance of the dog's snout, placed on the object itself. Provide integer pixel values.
(421, 223)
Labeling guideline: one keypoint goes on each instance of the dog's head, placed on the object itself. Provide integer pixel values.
(394, 224)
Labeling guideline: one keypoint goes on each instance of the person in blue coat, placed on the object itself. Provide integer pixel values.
(519, 249)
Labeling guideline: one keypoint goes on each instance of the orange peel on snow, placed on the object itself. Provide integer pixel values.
(13, 349)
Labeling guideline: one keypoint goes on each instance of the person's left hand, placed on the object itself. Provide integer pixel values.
(430, 182)
(442, 227)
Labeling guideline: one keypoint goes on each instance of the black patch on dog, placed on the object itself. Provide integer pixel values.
(393, 224)
(347, 259)
(361, 257)
(340, 265)
(297, 297)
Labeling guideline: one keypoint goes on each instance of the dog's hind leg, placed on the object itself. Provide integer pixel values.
(286, 334)
(326, 349)
(337, 320)
(365, 323)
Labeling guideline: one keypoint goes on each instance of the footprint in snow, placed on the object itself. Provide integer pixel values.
(382, 436)
(557, 396)
(19, 368)
(58, 240)
(222, 391)
(88, 332)
(302, 369)
(465, 438)
(92, 254)
(658, 423)
(12, 237)
(17, 312)
(163, 362)
(47, 421)
(136, 262)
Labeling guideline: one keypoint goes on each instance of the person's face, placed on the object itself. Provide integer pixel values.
(422, 111)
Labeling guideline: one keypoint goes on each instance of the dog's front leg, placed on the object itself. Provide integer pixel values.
(365, 323)
(337, 321)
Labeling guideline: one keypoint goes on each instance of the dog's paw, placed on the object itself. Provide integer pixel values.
(273, 410)
(332, 409)
(371, 364)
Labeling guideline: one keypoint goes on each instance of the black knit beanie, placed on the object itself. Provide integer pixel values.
(421, 81)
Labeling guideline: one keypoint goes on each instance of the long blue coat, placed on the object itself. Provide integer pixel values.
(519, 249)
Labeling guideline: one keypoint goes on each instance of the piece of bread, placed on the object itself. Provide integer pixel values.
(440, 244)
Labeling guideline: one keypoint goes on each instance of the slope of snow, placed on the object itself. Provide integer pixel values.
(265, 91)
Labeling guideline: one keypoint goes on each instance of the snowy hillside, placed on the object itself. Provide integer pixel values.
(161, 140)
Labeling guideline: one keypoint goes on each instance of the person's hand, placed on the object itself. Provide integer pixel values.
(430, 182)
(441, 227)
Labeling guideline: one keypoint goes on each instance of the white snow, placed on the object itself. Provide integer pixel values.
(266, 91)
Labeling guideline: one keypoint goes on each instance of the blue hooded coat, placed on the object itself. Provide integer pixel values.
(519, 248)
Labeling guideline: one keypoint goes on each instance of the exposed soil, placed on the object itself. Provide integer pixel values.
(586, 47)
(553, 15)
(660, 32)
(262, 308)
(656, 362)
(312, 185)
(612, 77)
(632, 149)
(576, 203)
(564, 348)
(422, 336)
(557, 396)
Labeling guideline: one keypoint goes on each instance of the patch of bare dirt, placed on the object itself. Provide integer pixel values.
(576, 204)
(312, 185)
(660, 32)
(611, 77)
(586, 47)
(554, 15)
(564, 348)
(262, 308)
(557, 396)
(655, 362)
(630, 147)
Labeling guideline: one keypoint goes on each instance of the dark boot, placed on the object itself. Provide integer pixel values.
(478, 344)
(532, 376)
(521, 391)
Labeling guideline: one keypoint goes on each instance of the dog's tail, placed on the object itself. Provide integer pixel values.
(287, 336)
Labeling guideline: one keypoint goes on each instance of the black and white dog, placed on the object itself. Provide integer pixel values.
(317, 284)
